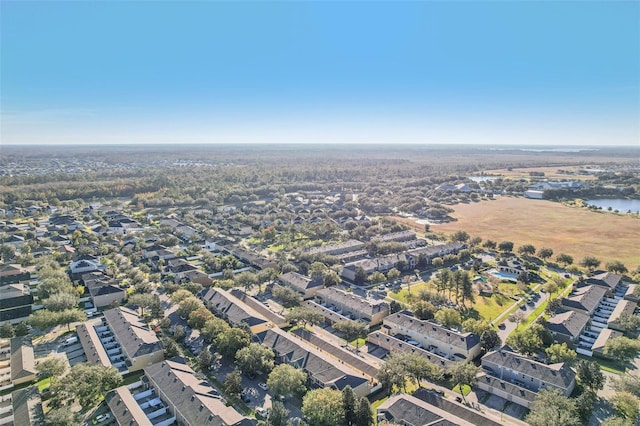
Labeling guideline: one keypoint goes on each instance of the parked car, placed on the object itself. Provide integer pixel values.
(502, 326)
(263, 386)
(101, 418)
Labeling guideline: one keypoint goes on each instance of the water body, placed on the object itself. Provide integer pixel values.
(619, 204)
(482, 178)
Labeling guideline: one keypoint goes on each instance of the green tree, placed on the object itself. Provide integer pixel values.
(551, 407)
(85, 384)
(287, 380)
(189, 305)
(505, 246)
(449, 317)
(424, 310)
(7, 252)
(233, 383)
(584, 405)
(278, 415)
(561, 353)
(199, 317)
(393, 274)
(526, 341)
(621, 349)
(565, 259)
(287, 296)
(464, 373)
(626, 405)
(61, 301)
(304, 315)
(349, 403)
(179, 295)
(627, 383)
(490, 339)
(21, 329)
(143, 301)
(545, 253)
(617, 421)
(616, 267)
(477, 326)
(490, 245)
(231, 341)
(550, 287)
(62, 417)
(206, 359)
(323, 407)
(254, 358)
(246, 280)
(331, 278)
(360, 276)
(213, 327)
(629, 322)
(6, 331)
(351, 329)
(589, 262)
(460, 236)
(51, 367)
(590, 375)
(527, 249)
(364, 414)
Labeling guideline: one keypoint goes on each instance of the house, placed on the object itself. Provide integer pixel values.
(82, 266)
(400, 236)
(22, 408)
(170, 393)
(517, 378)
(380, 264)
(103, 290)
(23, 365)
(632, 293)
(305, 286)
(605, 335)
(433, 337)
(335, 249)
(16, 302)
(431, 252)
(399, 343)
(567, 327)
(606, 280)
(120, 339)
(352, 306)
(584, 299)
(427, 408)
(324, 370)
(624, 307)
(11, 274)
(231, 308)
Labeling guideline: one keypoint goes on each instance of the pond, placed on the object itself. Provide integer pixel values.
(620, 204)
(482, 178)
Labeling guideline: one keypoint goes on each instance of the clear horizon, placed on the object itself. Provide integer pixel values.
(431, 73)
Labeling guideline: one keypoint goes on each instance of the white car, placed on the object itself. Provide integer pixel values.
(263, 386)
(101, 418)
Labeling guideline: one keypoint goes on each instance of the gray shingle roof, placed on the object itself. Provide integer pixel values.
(433, 329)
(585, 298)
(569, 323)
(559, 374)
(134, 336)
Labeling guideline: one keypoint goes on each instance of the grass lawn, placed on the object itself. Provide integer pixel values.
(358, 343)
(465, 389)
(490, 308)
(572, 230)
(606, 365)
(43, 384)
(404, 295)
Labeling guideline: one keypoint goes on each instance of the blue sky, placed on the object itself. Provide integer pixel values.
(500, 72)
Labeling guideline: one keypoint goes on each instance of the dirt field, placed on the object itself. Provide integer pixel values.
(577, 232)
(549, 172)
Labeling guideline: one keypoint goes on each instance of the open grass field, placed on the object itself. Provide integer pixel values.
(575, 231)
(549, 172)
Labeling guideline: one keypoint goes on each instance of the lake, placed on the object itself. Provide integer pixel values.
(619, 204)
(483, 178)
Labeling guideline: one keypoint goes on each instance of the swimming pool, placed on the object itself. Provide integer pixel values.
(504, 275)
